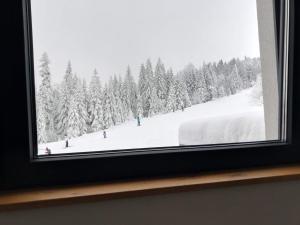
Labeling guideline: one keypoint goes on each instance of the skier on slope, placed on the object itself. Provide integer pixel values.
(104, 134)
(182, 108)
(67, 143)
(138, 121)
(48, 151)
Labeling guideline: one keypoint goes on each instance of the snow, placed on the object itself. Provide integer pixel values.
(233, 128)
(229, 119)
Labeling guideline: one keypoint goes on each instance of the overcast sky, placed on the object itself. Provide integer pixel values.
(111, 34)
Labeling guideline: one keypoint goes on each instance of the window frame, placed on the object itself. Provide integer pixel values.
(21, 167)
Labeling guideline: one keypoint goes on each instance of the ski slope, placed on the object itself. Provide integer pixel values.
(163, 130)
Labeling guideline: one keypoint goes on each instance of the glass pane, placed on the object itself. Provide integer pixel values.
(135, 74)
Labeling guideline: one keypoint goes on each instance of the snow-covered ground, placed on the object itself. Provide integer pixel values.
(163, 130)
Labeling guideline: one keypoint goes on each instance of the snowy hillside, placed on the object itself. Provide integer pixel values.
(163, 130)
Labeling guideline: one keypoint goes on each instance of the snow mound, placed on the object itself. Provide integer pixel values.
(232, 128)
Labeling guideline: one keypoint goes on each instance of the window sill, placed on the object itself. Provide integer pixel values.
(95, 192)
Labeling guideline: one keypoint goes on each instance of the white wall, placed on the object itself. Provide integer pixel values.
(276, 203)
(266, 28)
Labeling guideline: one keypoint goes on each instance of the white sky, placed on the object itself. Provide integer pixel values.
(111, 34)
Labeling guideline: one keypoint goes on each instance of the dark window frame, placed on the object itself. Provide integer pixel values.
(21, 168)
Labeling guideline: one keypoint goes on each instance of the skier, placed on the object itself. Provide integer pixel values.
(138, 121)
(104, 134)
(67, 143)
(48, 151)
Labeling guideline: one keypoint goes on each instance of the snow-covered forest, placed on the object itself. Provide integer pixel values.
(74, 108)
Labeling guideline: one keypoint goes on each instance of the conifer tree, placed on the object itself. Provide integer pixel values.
(160, 81)
(96, 103)
(107, 115)
(41, 129)
(145, 89)
(139, 106)
(73, 129)
(46, 104)
(81, 107)
(67, 91)
(169, 80)
(171, 100)
(154, 106)
(236, 82)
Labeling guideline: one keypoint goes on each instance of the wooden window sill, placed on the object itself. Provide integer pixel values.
(95, 192)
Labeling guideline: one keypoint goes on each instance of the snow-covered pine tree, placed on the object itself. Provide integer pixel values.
(86, 103)
(182, 96)
(171, 100)
(125, 91)
(41, 128)
(107, 114)
(125, 103)
(139, 107)
(236, 81)
(153, 103)
(221, 85)
(74, 120)
(191, 77)
(130, 89)
(160, 81)
(179, 101)
(208, 95)
(119, 105)
(80, 100)
(113, 109)
(213, 80)
(150, 95)
(169, 80)
(56, 106)
(45, 100)
(95, 93)
(246, 80)
(227, 81)
(145, 90)
(201, 93)
(67, 91)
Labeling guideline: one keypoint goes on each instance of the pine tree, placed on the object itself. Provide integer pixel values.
(213, 80)
(221, 85)
(161, 81)
(67, 91)
(169, 80)
(74, 121)
(96, 111)
(171, 100)
(113, 109)
(86, 103)
(119, 105)
(45, 100)
(236, 82)
(107, 115)
(182, 97)
(81, 107)
(153, 103)
(207, 92)
(192, 80)
(130, 92)
(145, 89)
(41, 128)
(139, 106)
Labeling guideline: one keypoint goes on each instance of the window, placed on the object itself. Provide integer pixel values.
(114, 88)
(153, 74)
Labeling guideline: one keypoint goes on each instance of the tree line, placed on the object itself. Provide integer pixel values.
(73, 108)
